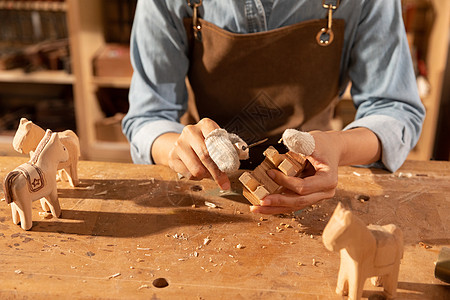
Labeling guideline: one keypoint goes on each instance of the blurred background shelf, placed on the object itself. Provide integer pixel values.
(46, 77)
(97, 33)
(112, 82)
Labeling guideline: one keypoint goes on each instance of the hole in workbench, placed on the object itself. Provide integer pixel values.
(160, 283)
(363, 198)
(196, 188)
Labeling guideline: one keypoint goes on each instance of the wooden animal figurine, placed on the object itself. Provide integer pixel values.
(257, 184)
(365, 251)
(28, 136)
(36, 179)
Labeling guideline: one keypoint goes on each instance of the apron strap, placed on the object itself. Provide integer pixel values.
(326, 35)
(196, 26)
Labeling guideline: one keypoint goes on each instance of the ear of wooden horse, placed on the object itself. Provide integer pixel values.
(36, 180)
(365, 251)
(28, 136)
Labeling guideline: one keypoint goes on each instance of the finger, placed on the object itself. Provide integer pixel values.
(197, 137)
(321, 181)
(191, 161)
(294, 200)
(219, 177)
(178, 166)
(206, 126)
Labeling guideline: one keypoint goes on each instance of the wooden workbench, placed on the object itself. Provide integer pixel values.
(127, 225)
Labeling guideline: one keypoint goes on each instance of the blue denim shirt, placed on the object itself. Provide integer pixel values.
(375, 58)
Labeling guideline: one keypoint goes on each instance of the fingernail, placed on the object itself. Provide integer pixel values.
(226, 186)
(271, 174)
(266, 202)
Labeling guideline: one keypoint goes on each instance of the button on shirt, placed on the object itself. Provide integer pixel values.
(375, 58)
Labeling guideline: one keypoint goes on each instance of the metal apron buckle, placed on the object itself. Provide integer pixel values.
(326, 35)
(195, 24)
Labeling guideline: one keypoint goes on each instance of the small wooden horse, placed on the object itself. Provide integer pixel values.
(365, 252)
(28, 136)
(36, 179)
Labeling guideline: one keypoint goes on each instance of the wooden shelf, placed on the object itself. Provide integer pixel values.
(110, 151)
(46, 77)
(112, 82)
(87, 36)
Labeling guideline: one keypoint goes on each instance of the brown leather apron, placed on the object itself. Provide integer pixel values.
(258, 84)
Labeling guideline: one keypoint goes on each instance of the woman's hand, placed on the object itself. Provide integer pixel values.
(334, 148)
(190, 157)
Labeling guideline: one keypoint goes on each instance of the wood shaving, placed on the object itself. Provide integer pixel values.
(101, 193)
(144, 183)
(114, 275)
(45, 215)
(210, 204)
(144, 286)
(206, 241)
(422, 244)
(314, 263)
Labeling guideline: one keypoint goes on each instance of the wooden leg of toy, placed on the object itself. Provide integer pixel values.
(342, 282)
(53, 202)
(390, 282)
(24, 210)
(354, 283)
(74, 174)
(15, 214)
(44, 205)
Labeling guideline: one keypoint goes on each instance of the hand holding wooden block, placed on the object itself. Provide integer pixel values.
(257, 184)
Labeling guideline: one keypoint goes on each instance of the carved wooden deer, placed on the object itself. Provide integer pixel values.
(28, 136)
(35, 180)
(365, 251)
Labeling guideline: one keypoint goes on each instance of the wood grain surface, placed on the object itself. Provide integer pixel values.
(127, 225)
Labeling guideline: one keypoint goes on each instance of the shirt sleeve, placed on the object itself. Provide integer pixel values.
(384, 88)
(158, 95)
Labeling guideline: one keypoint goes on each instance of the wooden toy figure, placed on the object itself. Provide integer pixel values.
(28, 136)
(36, 179)
(365, 251)
(257, 184)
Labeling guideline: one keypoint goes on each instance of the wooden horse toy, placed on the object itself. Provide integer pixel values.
(36, 179)
(365, 252)
(28, 136)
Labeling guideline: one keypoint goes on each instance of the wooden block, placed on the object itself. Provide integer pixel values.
(274, 157)
(253, 190)
(250, 196)
(257, 184)
(260, 192)
(249, 181)
(298, 159)
(288, 168)
(260, 173)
